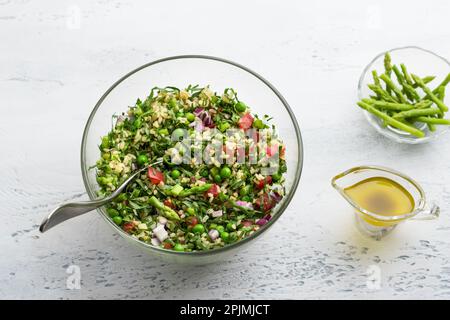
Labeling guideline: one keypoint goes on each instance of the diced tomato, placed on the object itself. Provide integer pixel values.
(272, 150)
(155, 176)
(128, 227)
(246, 121)
(191, 221)
(167, 245)
(261, 183)
(265, 202)
(168, 202)
(214, 190)
(247, 223)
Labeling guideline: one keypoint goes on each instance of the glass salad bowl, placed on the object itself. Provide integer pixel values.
(180, 71)
(418, 61)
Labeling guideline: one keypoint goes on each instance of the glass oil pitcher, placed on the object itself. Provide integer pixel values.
(377, 225)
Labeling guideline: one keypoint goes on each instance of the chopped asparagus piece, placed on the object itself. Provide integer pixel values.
(391, 121)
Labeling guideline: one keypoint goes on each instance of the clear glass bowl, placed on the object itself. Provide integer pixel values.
(180, 71)
(418, 61)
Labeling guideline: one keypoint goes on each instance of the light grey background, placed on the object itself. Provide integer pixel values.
(58, 57)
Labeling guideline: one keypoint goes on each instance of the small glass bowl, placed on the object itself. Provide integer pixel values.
(418, 61)
(181, 71)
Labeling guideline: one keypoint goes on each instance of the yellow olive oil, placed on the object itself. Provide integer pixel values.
(382, 196)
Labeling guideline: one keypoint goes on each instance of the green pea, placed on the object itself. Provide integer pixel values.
(258, 124)
(117, 220)
(225, 236)
(178, 247)
(106, 156)
(163, 132)
(217, 178)
(173, 103)
(231, 226)
(214, 171)
(102, 180)
(220, 229)
(224, 126)
(276, 177)
(204, 173)
(190, 211)
(198, 228)
(225, 172)
(240, 106)
(142, 159)
(112, 212)
(175, 173)
(177, 134)
(245, 190)
(190, 116)
(179, 115)
(233, 237)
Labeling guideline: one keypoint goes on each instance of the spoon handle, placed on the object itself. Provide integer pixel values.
(69, 211)
(74, 209)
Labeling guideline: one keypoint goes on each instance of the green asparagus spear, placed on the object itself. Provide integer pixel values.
(425, 80)
(391, 84)
(164, 210)
(410, 92)
(390, 105)
(417, 113)
(387, 62)
(435, 99)
(376, 80)
(442, 84)
(398, 74)
(423, 104)
(433, 120)
(431, 127)
(441, 93)
(428, 79)
(387, 68)
(406, 75)
(199, 189)
(391, 121)
(379, 91)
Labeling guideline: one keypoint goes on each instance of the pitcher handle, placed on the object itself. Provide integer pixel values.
(430, 212)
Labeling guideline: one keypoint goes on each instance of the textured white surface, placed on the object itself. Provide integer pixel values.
(58, 57)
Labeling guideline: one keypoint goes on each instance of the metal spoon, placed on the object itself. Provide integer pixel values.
(74, 209)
